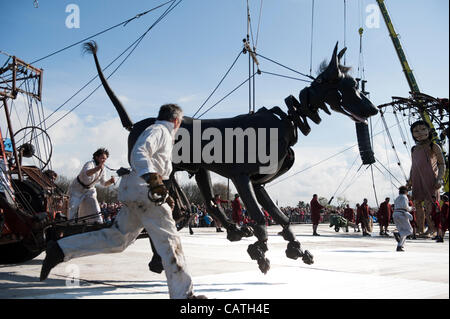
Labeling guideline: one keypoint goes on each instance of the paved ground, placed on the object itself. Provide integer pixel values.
(347, 265)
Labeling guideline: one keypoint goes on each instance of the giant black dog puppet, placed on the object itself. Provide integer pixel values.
(262, 155)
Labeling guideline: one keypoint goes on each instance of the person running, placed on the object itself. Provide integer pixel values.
(143, 194)
(402, 218)
(83, 203)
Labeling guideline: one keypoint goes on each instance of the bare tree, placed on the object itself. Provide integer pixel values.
(63, 183)
(342, 202)
(193, 192)
(104, 194)
(323, 201)
(107, 194)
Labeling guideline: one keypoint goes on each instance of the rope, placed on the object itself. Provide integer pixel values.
(285, 76)
(354, 178)
(401, 133)
(124, 23)
(249, 31)
(373, 185)
(388, 163)
(7, 61)
(77, 219)
(392, 145)
(227, 95)
(311, 166)
(26, 205)
(259, 24)
(361, 73)
(249, 24)
(223, 78)
(392, 184)
(345, 30)
(404, 126)
(325, 159)
(371, 167)
(348, 171)
(135, 44)
(286, 67)
(361, 70)
(387, 170)
(312, 38)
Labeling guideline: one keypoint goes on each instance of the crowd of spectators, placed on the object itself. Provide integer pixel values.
(301, 215)
(109, 211)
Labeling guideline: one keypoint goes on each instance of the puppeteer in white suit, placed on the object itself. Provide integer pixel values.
(150, 163)
(82, 192)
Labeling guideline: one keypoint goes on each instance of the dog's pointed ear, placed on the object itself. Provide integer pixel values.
(341, 54)
(332, 71)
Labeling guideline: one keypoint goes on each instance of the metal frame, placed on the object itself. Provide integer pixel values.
(20, 72)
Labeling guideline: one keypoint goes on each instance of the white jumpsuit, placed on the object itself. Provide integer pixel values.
(152, 153)
(83, 201)
(402, 218)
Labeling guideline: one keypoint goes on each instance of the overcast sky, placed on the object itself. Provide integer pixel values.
(183, 58)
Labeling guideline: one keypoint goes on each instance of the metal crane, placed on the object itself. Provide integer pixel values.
(410, 77)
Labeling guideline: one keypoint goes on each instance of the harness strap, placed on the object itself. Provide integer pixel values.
(91, 184)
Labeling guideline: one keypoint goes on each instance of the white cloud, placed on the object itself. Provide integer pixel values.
(187, 99)
(74, 141)
(123, 98)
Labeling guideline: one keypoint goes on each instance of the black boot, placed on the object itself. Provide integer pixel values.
(54, 256)
(397, 237)
(155, 264)
(192, 296)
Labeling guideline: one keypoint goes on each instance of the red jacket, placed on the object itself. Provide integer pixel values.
(237, 211)
(220, 201)
(435, 209)
(385, 211)
(315, 207)
(444, 216)
(436, 214)
(349, 214)
(364, 210)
